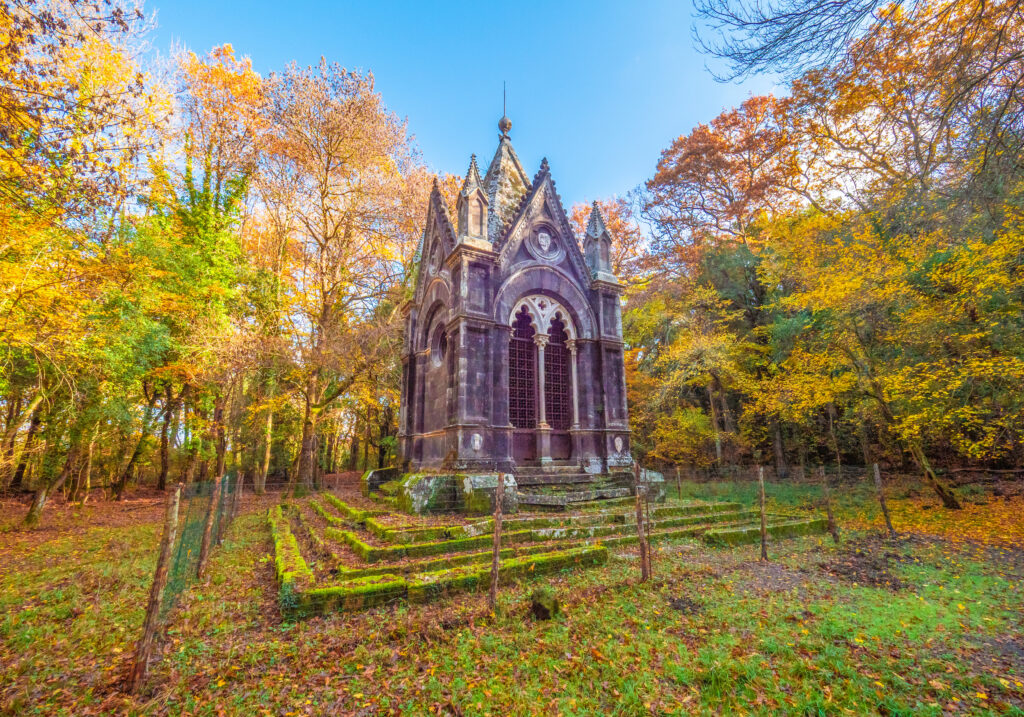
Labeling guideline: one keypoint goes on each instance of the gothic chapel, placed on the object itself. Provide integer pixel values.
(513, 339)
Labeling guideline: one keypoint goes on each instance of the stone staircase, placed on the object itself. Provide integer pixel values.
(559, 487)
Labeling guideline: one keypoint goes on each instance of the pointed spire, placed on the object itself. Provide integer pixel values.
(597, 246)
(505, 183)
(544, 170)
(596, 226)
(472, 181)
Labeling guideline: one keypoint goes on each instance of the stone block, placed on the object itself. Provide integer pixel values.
(423, 494)
(476, 493)
(373, 479)
(654, 482)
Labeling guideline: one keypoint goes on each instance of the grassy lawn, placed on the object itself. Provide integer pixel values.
(926, 624)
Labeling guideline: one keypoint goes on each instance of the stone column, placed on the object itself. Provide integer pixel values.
(571, 345)
(543, 429)
(541, 340)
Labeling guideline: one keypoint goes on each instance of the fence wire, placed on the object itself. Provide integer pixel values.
(193, 514)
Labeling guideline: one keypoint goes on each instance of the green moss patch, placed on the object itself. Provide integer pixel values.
(752, 534)
(292, 572)
(427, 586)
(357, 594)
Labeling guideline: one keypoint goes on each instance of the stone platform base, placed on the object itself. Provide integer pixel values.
(528, 489)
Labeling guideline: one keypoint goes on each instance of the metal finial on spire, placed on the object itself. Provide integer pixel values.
(504, 124)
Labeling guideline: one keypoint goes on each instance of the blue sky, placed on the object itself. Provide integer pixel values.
(599, 88)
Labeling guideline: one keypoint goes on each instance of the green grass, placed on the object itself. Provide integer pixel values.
(801, 642)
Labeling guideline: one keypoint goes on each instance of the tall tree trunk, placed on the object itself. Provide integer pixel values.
(23, 455)
(714, 427)
(13, 407)
(945, 493)
(865, 446)
(80, 486)
(165, 438)
(30, 409)
(260, 484)
(221, 433)
(353, 450)
(129, 469)
(35, 511)
(305, 463)
(781, 467)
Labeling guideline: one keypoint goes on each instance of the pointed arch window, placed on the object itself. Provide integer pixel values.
(557, 387)
(522, 372)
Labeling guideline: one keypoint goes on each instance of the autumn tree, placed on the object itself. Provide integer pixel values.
(334, 161)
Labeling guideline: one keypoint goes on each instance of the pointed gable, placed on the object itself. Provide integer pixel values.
(597, 247)
(505, 183)
(472, 206)
(437, 241)
(542, 205)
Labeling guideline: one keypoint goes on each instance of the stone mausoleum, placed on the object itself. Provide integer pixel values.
(513, 358)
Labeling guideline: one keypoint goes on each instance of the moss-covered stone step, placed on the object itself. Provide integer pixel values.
(376, 553)
(563, 500)
(357, 593)
(696, 519)
(776, 529)
(293, 574)
(447, 562)
(689, 508)
(352, 595)
(704, 522)
(427, 586)
(356, 515)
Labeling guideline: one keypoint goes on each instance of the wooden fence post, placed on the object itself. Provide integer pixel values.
(832, 527)
(204, 546)
(764, 522)
(499, 498)
(236, 500)
(645, 566)
(679, 484)
(144, 648)
(881, 499)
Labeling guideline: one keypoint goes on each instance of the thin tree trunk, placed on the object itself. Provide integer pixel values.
(881, 499)
(80, 491)
(781, 467)
(30, 409)
(945, 493)
(260, 484)
(220, 432)
(714, 427)
(764, 520)
(833, 528)
(645, 567)
(165, 438)
(204, 545)
(129, 469)
(835, 441)
(23, 455)
(144, 648)
(35, 511)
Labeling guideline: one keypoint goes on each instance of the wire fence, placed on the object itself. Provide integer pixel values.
(197, 517)
(193, 515)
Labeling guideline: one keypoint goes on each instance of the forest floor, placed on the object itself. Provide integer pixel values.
(928, 623)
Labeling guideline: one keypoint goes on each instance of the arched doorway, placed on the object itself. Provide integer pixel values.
(542, 380)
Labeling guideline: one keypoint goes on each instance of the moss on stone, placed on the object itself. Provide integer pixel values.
(752, 534)
(292, 572)
(426, 586)
(357, 594)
